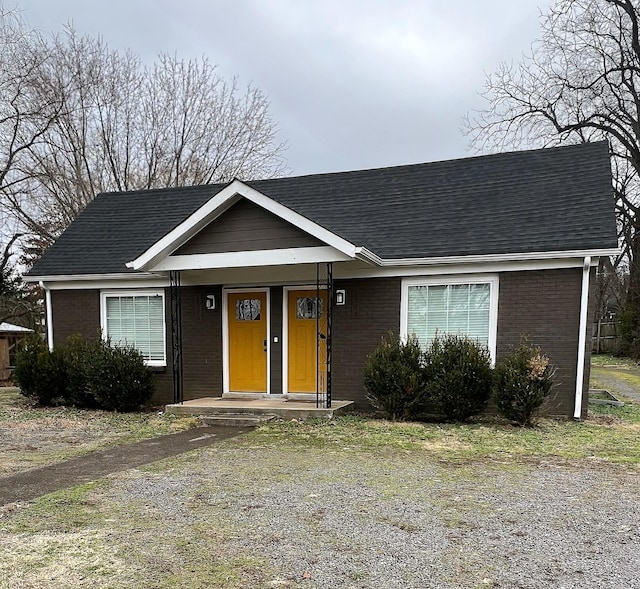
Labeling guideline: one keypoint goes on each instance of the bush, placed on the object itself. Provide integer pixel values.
(41, 374)
(394, 377)
(118, 377)
(77, 355)
(630, 335)
(522, 382)
(84, 374)
(459, 376)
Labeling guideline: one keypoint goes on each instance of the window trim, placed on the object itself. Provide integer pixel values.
(104, 294)
(491, 279)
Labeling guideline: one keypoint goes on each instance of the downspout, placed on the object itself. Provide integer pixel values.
(49, 311)
(582, 336)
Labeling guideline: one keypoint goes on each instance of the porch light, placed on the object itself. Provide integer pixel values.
(341, 297)
(210, 301)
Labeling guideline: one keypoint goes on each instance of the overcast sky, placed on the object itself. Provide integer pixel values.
(352, 83)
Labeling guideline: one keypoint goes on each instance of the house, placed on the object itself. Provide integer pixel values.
(284, 286)
(10, 338)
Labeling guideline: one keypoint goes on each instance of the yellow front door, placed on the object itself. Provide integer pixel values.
(302, 373)
(247, 321)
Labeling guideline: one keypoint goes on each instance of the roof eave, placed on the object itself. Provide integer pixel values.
(88, 277)
(510, 257)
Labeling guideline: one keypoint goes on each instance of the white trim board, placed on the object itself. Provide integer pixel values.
(133, 283)
(277, 274)
(491, 279)
(488, 258)
(91, 277)
(243, 259)
(132, 293)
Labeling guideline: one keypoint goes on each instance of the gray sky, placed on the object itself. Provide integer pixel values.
(352, 83)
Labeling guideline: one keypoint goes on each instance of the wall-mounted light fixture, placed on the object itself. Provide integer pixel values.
(210, 302)
(341, 297)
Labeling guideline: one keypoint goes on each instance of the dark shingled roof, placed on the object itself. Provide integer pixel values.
(543, 200)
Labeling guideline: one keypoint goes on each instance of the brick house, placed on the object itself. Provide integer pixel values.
(283, 287)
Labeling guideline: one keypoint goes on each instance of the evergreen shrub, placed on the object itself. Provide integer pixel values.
(459, 376)
(523, 380)
(84, 373)
(118, 378)
(41, 374)
(394, 377)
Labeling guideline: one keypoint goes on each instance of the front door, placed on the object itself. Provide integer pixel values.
(304, 333)
(247, 324)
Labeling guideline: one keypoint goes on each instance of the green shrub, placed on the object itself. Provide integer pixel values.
(630, 335)
(78, 353)
(41, 374)
(118, 377)
(394, 377)
(84, 374)
(459, 376)
(522, 381)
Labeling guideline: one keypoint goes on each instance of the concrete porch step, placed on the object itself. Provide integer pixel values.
(282, 408)
(236, 419)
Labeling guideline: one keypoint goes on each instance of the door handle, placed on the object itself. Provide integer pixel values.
(264, 343)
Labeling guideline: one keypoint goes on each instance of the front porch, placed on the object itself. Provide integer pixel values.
(283, 408)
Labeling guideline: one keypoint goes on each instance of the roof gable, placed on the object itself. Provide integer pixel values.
(247, 227)
(218, 204)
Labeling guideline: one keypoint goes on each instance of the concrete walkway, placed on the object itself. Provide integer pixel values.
(33, 483)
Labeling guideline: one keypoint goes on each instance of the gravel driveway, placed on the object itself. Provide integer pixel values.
(307, 518)
(612, 379)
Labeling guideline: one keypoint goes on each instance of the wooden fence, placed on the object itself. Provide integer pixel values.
(605, 337)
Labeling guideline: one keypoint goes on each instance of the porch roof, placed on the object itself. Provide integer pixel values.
(544, 200)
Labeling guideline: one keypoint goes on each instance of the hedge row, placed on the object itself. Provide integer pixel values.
(91, 374)
(453, 377)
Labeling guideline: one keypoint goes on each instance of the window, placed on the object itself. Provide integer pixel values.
(308, 308)
(136, 319)
(456, 306)
(248, 310)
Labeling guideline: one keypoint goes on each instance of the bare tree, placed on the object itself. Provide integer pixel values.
(28, 108)
(101, 120)
(580, 83)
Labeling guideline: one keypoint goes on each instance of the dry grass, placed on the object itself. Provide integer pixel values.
(36, 436)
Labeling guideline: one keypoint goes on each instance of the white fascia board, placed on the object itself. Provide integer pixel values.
(487, 258)
(216, 206)
(90, 277)
(362, 253)
(279, 257)
(345, 271)
(102, 281)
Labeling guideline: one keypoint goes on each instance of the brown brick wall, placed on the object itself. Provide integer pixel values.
(78, 312)
(544, 306)
(201, 346)
(372, 310)
(75, 312)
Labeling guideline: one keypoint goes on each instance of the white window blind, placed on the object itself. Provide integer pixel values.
(137, 321)
(459, 309)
